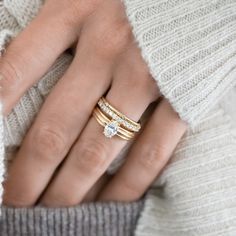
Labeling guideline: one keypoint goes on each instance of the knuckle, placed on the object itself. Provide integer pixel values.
(11, 74)
(112, 40)
(89, 5)
(85, 4)
(70, 12)
(92, 156)
(152, 157)
(83, 8)
(49, 141)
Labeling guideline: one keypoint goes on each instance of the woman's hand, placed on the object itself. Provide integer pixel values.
(65, 152)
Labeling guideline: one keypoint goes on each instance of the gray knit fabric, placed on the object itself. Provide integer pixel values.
(99, 219)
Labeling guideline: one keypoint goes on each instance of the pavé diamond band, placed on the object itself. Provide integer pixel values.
(107, 108)
(114, 122)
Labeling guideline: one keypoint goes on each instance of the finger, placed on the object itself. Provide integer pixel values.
(63, 115)
(58, 124)
(149, 155)
(87, 161)
(95, 190)
(93, 152)
(35, 49)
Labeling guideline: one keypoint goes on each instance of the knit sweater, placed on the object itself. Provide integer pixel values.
(190, 48)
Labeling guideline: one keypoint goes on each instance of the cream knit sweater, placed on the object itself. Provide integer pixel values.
(190, 48)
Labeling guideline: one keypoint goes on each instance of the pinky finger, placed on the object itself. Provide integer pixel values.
(148, 156)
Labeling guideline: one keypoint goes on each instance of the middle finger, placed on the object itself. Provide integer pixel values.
(36, 48)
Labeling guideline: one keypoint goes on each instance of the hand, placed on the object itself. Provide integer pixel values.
(65, 152)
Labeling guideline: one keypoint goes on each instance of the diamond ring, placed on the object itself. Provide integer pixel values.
(114, 122)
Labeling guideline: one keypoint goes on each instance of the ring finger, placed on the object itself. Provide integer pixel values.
(93, 152)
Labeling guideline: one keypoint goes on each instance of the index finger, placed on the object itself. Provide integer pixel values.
(35, 49)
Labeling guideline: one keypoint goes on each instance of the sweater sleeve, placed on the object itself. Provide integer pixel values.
(190, 48)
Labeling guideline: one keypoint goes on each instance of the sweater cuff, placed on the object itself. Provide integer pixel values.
(190, 48)
(92, 219)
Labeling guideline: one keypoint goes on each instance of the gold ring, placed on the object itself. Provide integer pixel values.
(111, 127)
(114, 122)
(106, 120)
(114, 114)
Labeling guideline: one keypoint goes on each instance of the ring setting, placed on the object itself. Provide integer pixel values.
(111, 129)
(114, 122)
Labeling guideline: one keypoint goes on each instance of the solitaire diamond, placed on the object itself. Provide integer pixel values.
(111, 129)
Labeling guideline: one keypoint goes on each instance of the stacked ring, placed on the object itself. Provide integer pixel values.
(114, 122)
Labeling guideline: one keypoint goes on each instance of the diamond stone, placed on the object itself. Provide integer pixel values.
(111, 129)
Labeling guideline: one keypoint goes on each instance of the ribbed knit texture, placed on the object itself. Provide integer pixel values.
(110, 219)
(190, 47)
(196, 193)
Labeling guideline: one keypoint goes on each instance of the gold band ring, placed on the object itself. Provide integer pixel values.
(114, 122)
(107, 120)
(114, 114)
(112, 125)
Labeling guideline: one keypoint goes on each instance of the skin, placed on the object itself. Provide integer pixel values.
(64, 156)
